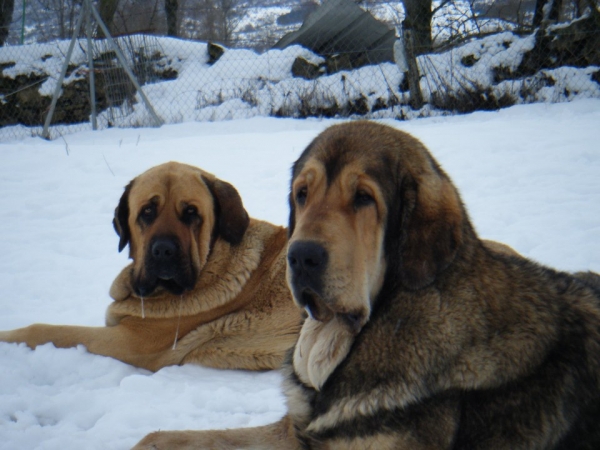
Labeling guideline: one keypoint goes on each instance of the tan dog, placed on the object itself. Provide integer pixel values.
(418, 336)
(207, 284)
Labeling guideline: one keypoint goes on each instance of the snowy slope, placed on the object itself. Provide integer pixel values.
(529, 176)
(242, 84)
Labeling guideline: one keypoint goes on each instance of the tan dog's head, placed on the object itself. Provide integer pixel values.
(171, 216)
(370, 210)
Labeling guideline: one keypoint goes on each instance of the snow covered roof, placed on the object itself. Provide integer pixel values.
(341, 26)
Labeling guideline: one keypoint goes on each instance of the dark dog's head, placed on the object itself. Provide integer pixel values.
(170, 216)
(369, 205)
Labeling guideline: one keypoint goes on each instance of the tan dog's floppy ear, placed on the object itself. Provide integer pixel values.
(232, 218)
(431, 231)
(120, 221)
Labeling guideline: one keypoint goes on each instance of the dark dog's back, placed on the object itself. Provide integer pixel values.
(547, 365)
(464, 347)
(592, 279)
(498, 353)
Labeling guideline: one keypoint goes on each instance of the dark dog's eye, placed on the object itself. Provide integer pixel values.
(189, 214)
(301, 195)
(361, 198)
(190, 211)
(148, 213)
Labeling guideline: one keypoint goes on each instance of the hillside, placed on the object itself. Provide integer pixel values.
(185, 82)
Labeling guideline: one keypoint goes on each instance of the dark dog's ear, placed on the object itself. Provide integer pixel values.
(292, 217)
(296, 169)
(431, 230)
(232, 218)
(120, 221)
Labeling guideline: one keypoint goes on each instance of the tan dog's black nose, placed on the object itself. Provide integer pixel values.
(164, 259)
(164, 249)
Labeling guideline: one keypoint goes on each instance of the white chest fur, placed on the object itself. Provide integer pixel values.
(321, 347)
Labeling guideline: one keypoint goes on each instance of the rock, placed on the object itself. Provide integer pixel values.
(215, 51)
(337, 62)
(576, 44)
(301, 68)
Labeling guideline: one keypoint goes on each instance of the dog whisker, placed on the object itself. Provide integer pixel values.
(178, 322)
(309, 312)
(143, 312)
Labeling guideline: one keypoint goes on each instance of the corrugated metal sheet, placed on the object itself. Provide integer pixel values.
(341, 26)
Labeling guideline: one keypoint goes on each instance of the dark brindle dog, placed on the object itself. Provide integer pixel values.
(418, 336)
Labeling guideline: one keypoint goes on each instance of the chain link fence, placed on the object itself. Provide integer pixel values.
(337, 58)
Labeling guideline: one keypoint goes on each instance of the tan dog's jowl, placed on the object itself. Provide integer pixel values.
(207, 284)
(419, 335)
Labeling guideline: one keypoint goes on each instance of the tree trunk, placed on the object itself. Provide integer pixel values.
(6, 12)
(171, 12)
(538, 15)
(418, 20)
(553, 14)
(107, 9)
(414, 84)
(555, 10)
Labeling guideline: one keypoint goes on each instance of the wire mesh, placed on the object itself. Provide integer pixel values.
(142, 53)
(337, 58)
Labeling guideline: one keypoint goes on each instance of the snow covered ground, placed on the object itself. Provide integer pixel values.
(529, 175)
(243, 84)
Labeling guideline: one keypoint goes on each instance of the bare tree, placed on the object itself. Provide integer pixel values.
(171, 7)
(219, 19)
(6, 12)
(64, 15)
(546, 9)
(139, 16)
(107, 9)
(230, 18)
(418, 15)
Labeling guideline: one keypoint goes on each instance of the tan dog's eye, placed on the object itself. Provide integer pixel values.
(363, 198)
(189, 214)
(148, 213)
(301, 195)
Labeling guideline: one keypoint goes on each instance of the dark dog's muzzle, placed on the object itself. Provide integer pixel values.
(307, 262)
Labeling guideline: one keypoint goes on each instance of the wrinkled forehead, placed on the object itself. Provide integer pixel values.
(380, 152)
(344, 160)
(350, 172)
(170, 182)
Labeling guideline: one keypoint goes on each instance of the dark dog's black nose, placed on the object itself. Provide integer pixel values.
(306, 257)
(163, 249)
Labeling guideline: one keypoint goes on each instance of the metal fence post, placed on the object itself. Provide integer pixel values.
(45, 131)
(91, 75)
(157, 120)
